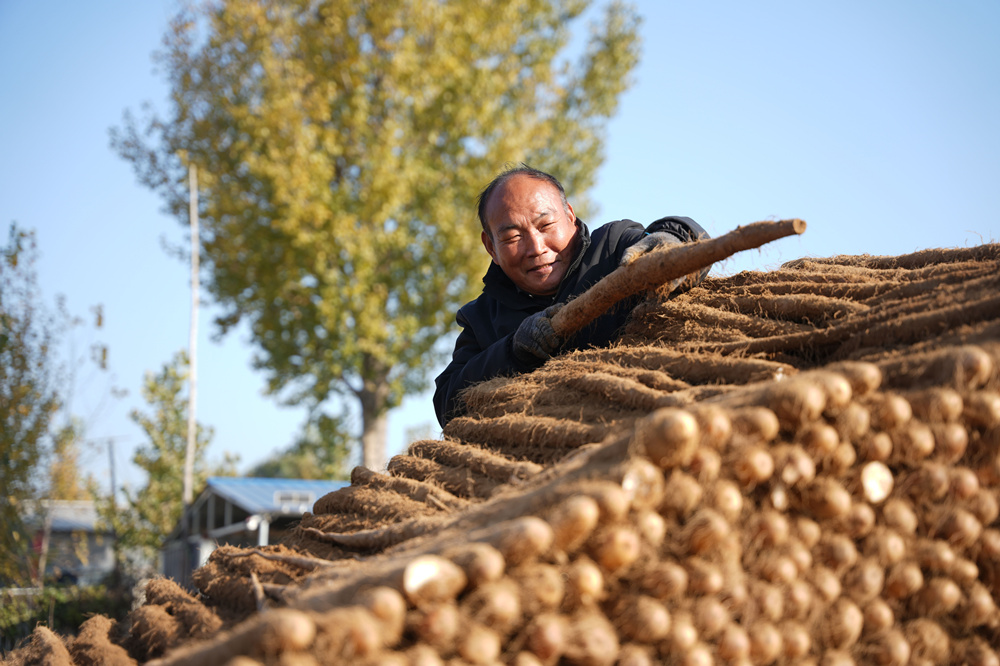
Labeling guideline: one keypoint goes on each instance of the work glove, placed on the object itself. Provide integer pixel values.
(660, 239)
(647, 243)
(534, 340)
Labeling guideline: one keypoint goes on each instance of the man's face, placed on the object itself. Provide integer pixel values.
(532, 238)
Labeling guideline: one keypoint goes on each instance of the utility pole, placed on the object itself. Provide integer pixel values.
(116, 546)
(192, 434)
(111, 462)
(192, 429)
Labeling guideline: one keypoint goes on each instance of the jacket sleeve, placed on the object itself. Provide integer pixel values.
(471, 362)
(684, 228)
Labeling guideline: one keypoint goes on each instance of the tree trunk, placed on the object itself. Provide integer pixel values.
(373, 436)
(374, 397)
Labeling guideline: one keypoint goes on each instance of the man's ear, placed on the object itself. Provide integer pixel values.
(488, 244)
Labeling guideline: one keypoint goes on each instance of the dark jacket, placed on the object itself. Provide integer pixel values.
(483, 349)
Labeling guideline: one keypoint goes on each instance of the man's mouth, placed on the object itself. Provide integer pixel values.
(544, 268)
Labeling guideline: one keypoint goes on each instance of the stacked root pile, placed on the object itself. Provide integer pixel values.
(798, 466)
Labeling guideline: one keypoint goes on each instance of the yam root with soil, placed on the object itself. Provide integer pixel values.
(814, 480)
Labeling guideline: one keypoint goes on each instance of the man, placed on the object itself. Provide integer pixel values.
(542, 256)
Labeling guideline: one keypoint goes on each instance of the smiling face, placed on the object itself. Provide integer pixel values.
(531, 236)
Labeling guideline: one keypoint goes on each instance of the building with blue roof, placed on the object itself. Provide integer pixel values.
(239, 511)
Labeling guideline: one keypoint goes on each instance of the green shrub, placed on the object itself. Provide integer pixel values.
(62, 609)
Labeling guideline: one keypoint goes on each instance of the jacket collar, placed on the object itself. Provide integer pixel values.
(499, 286)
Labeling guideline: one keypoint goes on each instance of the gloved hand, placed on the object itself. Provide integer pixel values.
(534, 340)
(647, 243)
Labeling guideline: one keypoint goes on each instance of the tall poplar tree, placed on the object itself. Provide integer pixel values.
(340, 146)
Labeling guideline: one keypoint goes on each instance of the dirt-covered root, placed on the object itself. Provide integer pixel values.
(807, 276)
(491, 521)
(955, 280)
(823, 286)
(796, 401)
(233, 594)
(982, 334)
(196, 620)
(879, 328)
(525, 433)
(555, 399)
(458, 481)
(686, 320)
(691, 367)
(170, 617)
(476, 460)
(152, 630)
(372, 502)
(93, 646)
(43, 648)
(987, 252)
(348, 520)
(533, 500)
(376, 539)
(631, 395)
(805, 308)
(499, 391)
(439, 571)
(224, 581)
(415, 489)
(267, 634)
(584, 362)
(606, 388)
(963, 368)
(915, 326)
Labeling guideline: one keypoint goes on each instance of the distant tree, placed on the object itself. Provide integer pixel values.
(320, 452)
(40, 436)
(83, 362)
(341, 146)
(65, 479)
(154, 510)
(28, 398)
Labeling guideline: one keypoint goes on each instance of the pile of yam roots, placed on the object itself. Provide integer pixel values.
(840, 506)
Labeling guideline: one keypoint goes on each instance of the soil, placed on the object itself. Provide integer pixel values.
(792, 466)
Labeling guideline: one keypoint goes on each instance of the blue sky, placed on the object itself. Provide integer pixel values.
(874, 121)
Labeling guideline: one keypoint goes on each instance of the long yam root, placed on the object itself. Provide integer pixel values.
(303, 561)
(411, 488)
(480, 461)
(270, 632)
(656, 268)
(374, 539)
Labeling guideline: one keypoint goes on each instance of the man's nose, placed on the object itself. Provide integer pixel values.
(535, 242)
